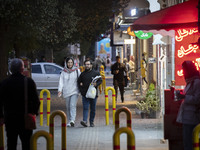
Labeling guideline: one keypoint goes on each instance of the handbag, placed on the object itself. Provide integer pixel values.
(92, 92)
(30, 119)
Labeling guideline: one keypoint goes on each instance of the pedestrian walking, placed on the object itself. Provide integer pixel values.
(12, 105)
(189, 111)
(118, 69)
(69, 88)
(98, 63)
(108, 64)
(125, 74)
(132, 69)
(84, 82)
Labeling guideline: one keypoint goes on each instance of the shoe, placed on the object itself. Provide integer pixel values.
(84, 123)
(68, 125)
(91, 124)
(72, 123)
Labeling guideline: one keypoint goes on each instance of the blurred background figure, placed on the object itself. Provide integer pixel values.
(118, 69)
(98, 62)
(125, 74)
(108, 64)
(132, 69)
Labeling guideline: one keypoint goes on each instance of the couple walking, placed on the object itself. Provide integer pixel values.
(71, 82)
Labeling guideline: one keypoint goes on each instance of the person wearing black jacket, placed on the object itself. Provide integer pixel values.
(118, 69)
(84, 81)
(12, 105)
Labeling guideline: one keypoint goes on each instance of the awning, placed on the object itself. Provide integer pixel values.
(175, 17)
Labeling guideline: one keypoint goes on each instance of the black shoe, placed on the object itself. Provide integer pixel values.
(91, 124)
(84, 123)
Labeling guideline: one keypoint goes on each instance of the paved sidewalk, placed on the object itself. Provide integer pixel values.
(148, 132)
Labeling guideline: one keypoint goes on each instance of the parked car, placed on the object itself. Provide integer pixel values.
(46, 75)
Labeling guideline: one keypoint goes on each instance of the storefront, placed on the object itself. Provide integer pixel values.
(179, 26)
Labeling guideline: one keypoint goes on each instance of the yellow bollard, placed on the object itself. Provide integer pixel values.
(1, 136)
(41, 106)
(51, 128)
(46, 135)
(103, 81)
(195, 139)
(130, 138)
(128, 117)
(101, 68)
(81, 68)
(107, 104)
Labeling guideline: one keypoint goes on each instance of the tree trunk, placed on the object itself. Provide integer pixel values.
(3, 54)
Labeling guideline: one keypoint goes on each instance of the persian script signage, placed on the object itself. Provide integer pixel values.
(185, 50)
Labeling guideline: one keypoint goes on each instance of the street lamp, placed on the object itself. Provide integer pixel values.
(133, 12)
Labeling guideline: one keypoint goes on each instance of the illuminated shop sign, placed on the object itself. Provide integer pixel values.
(142, 35)
(185, 50)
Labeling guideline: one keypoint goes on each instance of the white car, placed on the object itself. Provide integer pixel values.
(46, 75)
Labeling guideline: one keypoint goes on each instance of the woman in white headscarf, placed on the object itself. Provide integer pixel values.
(69, 89)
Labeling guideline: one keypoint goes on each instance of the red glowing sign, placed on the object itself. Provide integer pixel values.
(185, 50)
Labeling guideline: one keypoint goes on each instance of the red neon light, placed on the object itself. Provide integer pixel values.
(182, 51)
(184, 33)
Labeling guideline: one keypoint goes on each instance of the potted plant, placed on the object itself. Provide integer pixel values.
(150, 103)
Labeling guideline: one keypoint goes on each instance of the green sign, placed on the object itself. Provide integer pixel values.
(142, 35)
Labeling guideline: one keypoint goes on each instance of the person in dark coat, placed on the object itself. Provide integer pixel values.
(118, 69)
(189, 111)
(12, 105)
(84, 81)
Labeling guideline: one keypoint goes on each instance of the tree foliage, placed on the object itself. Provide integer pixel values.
(27, 25)
(95, 18)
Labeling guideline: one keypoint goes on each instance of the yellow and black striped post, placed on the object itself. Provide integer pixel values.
(195, 139)
(44, 134)
(48, 106)
(128, 117)
(107, 104)
(130, 138)
(63, 125)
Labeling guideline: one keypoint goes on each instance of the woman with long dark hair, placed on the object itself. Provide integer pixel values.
(69, 89)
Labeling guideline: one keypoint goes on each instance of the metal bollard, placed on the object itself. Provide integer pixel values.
(63, 125)
(46, 135)
(107, 104)
(1, 136)
(128, 117)
(101, 68)
(103, 81)
(195, 137)
(41, 106)
(130, 138)
(81, 68)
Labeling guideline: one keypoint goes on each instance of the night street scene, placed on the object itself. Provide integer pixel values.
(99, 75)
